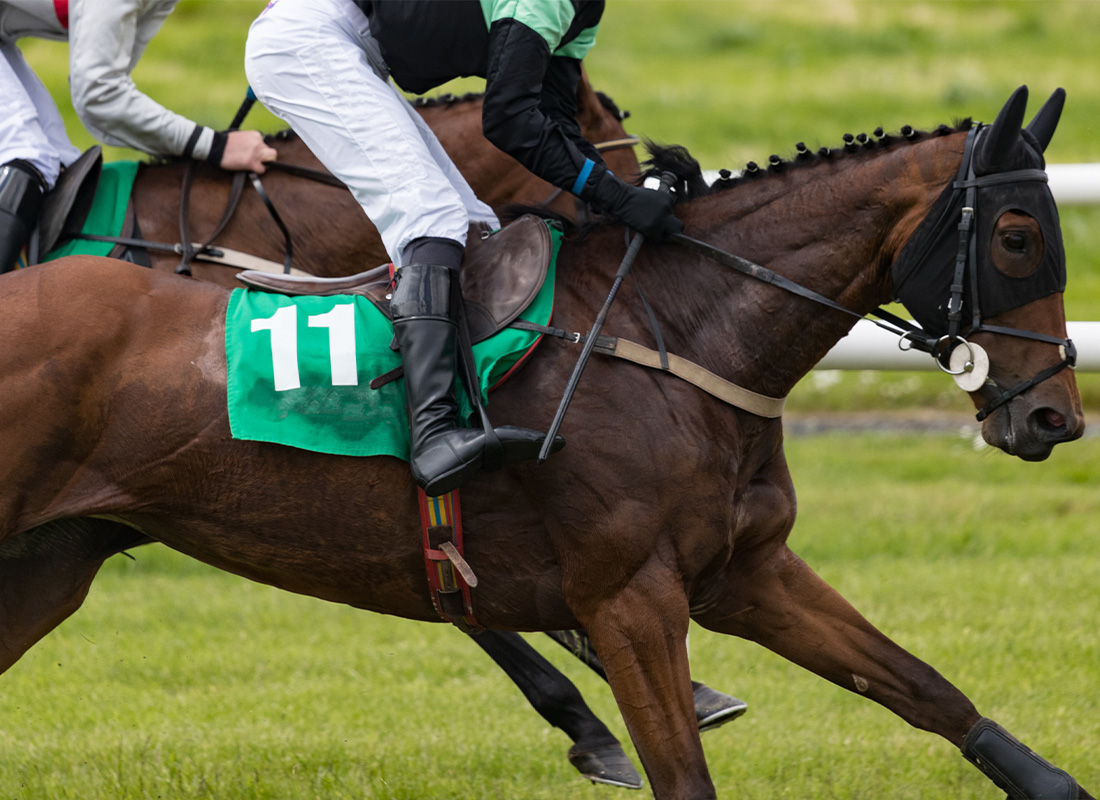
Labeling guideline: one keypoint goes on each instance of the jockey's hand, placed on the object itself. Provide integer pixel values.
(645, 210)
(246, 150)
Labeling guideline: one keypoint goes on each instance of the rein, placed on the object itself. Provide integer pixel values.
(892, 323)
(189, 250)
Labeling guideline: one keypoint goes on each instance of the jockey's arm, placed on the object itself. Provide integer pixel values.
(106, 40)
(515, 119)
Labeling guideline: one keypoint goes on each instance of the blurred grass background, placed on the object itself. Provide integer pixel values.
(179, 681)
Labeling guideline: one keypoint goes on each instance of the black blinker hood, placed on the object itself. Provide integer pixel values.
(924, 271)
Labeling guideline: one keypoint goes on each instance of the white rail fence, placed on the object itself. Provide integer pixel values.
(868, 347)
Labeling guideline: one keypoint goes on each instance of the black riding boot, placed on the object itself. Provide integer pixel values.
(21, 191)
(424, 307)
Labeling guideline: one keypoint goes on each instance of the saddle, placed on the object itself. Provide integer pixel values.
(67, 205)
(501, 274)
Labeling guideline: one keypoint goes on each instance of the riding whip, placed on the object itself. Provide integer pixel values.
(242, 112)
(667, 180)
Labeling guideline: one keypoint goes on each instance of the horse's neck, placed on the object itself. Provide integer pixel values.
(834, 227)
(293, 150)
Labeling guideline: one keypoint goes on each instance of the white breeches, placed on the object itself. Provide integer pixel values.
(314, 64)
(30, 125)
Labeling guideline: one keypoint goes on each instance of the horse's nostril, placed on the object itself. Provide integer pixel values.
(1050, 421)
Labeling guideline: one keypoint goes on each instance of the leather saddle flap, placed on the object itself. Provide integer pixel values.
(66, 207)
(501, 274)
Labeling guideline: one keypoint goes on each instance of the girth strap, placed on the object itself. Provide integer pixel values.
(737, 396)
(450, 577)
(726, 391)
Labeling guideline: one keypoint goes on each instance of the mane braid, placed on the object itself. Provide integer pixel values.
(611, 107)
(691, 184)
(447, 100)
(285, 135)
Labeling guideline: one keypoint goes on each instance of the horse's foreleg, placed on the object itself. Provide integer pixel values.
(45, 574)
(596, 753)
(784, 606)
(640, 634)
(713, 708)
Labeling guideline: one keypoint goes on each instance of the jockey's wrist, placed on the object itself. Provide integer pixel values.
(607, 193)
(589, 179)
(217, 148)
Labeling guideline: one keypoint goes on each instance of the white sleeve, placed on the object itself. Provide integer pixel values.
(106, 39)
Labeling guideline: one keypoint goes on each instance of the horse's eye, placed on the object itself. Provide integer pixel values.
(1017, 244)
(1015, 241)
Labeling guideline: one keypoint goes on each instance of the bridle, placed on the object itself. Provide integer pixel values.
(967, 184)
(970, 371)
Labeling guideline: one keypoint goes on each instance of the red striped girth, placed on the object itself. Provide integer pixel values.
(441, 526)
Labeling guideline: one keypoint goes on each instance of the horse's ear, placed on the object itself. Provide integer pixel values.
(1004, 134)
(1043, 125)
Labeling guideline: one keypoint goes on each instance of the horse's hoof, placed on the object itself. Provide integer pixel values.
(607, 764)
(713, 709)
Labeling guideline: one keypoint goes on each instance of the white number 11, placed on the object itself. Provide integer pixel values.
(283, 325)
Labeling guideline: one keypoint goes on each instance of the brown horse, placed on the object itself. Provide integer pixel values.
(674, 508)
(331, 236)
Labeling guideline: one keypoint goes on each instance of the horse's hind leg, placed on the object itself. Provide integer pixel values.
(784, 606)
(45, 574)
(596, 753)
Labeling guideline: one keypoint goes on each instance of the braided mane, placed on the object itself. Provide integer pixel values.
(448, 100)
(691, 184)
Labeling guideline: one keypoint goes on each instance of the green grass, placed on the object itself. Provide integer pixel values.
(178, 681)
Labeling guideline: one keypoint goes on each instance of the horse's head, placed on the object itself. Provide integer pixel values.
(984, 273)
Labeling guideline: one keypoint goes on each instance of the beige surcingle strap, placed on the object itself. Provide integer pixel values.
(737, 396)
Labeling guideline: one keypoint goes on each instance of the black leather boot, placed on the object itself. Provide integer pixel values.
(21, 191)
(425, 323)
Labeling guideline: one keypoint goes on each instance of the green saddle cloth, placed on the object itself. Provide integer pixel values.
(108, 213)
(299, 369)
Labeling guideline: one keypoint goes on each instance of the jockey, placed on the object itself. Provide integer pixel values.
(106, 39)
(324, 66)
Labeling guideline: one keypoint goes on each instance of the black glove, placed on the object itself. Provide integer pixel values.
(645, 210)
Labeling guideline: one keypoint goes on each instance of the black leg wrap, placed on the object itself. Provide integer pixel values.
(1011, 765)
